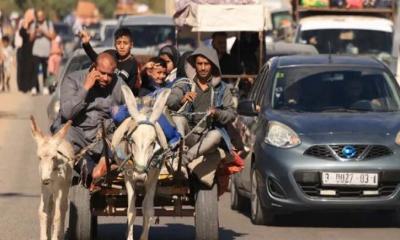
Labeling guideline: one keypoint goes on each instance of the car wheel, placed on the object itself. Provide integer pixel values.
(237, 201)
(259, 214)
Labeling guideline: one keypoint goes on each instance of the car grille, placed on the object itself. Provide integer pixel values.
(319, 151)
(378, 151)
(335, 152)
(310, 184)
(338, 150)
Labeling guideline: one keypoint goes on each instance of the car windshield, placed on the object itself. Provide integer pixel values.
(316, 89)
(349, 41)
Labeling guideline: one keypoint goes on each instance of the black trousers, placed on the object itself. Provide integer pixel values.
(37, 61)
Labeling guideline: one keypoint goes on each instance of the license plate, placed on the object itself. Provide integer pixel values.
(349, 179)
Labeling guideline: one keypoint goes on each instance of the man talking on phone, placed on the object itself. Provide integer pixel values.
(86, 98)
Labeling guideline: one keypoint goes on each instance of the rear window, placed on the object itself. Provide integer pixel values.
(339, 41)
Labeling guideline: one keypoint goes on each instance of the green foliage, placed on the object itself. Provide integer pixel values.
(54, 8)
(106, 7)
(61, 8)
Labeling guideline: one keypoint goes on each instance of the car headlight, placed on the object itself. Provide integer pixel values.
(397, 140)
(280, 135)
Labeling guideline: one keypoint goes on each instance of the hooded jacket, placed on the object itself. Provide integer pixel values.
(221, 98)
(174, 55)
(172, 52)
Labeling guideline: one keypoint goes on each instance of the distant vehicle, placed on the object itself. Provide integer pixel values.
(150, 33)
(363, 30)
(347, 34)
(107, 29)
(322, 133)
(66, 34)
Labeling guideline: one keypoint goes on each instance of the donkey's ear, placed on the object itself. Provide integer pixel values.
(130, 101)
(159, 105)
(60, 135)
(36, 132)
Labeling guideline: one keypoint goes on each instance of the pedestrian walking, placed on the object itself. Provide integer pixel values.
(42, 33)
(8, 62)
(25, 67)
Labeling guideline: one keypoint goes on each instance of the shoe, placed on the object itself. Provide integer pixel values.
(33, 92)
(45, 91)
(100, 169)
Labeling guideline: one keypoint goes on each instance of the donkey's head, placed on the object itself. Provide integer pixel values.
(47, 150)
(143, 138)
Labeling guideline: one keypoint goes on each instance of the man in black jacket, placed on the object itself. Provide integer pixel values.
(127, 66)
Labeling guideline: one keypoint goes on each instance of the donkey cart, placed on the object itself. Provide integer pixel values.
(189, 198)
(175, 195)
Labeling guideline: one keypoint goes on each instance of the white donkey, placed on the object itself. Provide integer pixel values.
(143, 135)
(56, 159)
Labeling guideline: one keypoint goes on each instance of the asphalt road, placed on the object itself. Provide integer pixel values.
(19, 197)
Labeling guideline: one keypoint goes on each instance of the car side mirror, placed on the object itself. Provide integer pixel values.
(247, 108)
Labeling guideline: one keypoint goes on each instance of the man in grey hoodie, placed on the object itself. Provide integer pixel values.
(86, 98)
(205, 93)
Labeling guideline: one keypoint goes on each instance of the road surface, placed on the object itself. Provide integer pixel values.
(19, 197)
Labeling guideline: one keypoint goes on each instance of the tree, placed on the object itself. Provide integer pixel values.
(106, 7)
(56, 8)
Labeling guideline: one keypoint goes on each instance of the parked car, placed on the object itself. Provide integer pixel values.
(322, 132)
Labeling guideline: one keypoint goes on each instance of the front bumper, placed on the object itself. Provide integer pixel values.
(289, 180)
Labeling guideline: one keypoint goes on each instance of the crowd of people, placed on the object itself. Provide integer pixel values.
(91, 96)
(38, 52)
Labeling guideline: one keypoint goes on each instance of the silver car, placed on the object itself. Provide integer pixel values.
(322, 132)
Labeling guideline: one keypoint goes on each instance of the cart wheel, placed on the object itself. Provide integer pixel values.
(206, 216)
(237, 201)
(82, 224)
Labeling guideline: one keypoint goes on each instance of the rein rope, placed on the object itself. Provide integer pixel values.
(158, 157)
(89, 147)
